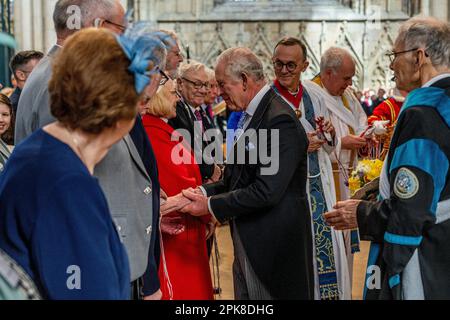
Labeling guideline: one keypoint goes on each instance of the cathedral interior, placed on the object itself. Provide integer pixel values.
(207, 27)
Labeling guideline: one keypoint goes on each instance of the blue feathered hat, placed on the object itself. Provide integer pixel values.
(146, 51)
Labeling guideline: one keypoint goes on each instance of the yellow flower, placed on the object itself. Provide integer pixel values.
(375, 169)
(366, 171)
(354, 184)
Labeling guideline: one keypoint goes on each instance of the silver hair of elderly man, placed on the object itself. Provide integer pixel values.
(428, 33)
(242, 60)
(89, 10)
(191, 67)
(333, 57)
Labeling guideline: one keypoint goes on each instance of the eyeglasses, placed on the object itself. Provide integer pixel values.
(198, 84)
(122, 28)
(393, 55)
(164, 78)
(290, 66)
(176, 94)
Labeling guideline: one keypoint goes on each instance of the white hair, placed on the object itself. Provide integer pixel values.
(211, 74)
(241, 60)
(430, 34)
(332, 59)
(191, 67)
(172, 35)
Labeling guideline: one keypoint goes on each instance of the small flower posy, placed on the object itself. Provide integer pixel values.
(366, 171)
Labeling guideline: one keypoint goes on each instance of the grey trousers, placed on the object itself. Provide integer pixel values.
(247, 286)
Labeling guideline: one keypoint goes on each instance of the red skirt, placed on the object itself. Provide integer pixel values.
(187, 275)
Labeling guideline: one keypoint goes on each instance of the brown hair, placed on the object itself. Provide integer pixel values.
(291, 41)
(8, 136)
(22, 58)
(91, 88)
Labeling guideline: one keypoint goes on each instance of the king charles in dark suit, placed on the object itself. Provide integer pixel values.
(268, 211)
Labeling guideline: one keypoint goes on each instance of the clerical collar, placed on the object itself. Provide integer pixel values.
(284, 89)
(295, 93)
(294, 99)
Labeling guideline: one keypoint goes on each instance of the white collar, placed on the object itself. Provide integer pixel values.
(253, 105)
(192, 108)
(436, 79)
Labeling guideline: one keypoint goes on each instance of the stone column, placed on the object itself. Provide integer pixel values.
(439, 9)
(23, 24)
(425, 7)
(48, 25)
(34, 24)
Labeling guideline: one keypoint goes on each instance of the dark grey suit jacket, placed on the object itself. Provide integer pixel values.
(128, 190)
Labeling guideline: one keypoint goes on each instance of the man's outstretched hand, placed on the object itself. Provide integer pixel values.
(174, 203)
(199, 203)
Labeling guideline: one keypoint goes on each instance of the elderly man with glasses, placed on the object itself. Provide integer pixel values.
(331, 269)
(193, 88)
(410, 227)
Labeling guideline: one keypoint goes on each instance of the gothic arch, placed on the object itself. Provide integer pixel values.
(217, 45)
(345, 41)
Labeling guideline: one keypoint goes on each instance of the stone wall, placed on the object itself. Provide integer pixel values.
(366, 27)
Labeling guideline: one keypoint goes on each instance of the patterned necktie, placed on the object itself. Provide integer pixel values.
(240, 127)
(198, 117)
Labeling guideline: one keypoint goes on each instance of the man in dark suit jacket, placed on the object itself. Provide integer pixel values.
(193, 89)
(266, 204)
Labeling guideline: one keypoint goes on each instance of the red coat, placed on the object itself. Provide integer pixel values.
(387, 110)
(185, 255)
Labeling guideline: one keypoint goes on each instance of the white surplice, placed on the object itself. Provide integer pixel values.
(326, 175)
(342, 118)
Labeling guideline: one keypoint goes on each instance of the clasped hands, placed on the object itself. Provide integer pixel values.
(191, 201)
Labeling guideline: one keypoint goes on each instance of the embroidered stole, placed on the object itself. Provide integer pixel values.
(323, 241)
(354, 235)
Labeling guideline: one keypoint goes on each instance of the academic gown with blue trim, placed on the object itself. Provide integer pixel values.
(412, 226)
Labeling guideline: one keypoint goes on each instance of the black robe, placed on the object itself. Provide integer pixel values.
(413, 225)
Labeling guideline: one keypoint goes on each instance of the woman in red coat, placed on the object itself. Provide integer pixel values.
(184, 269)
